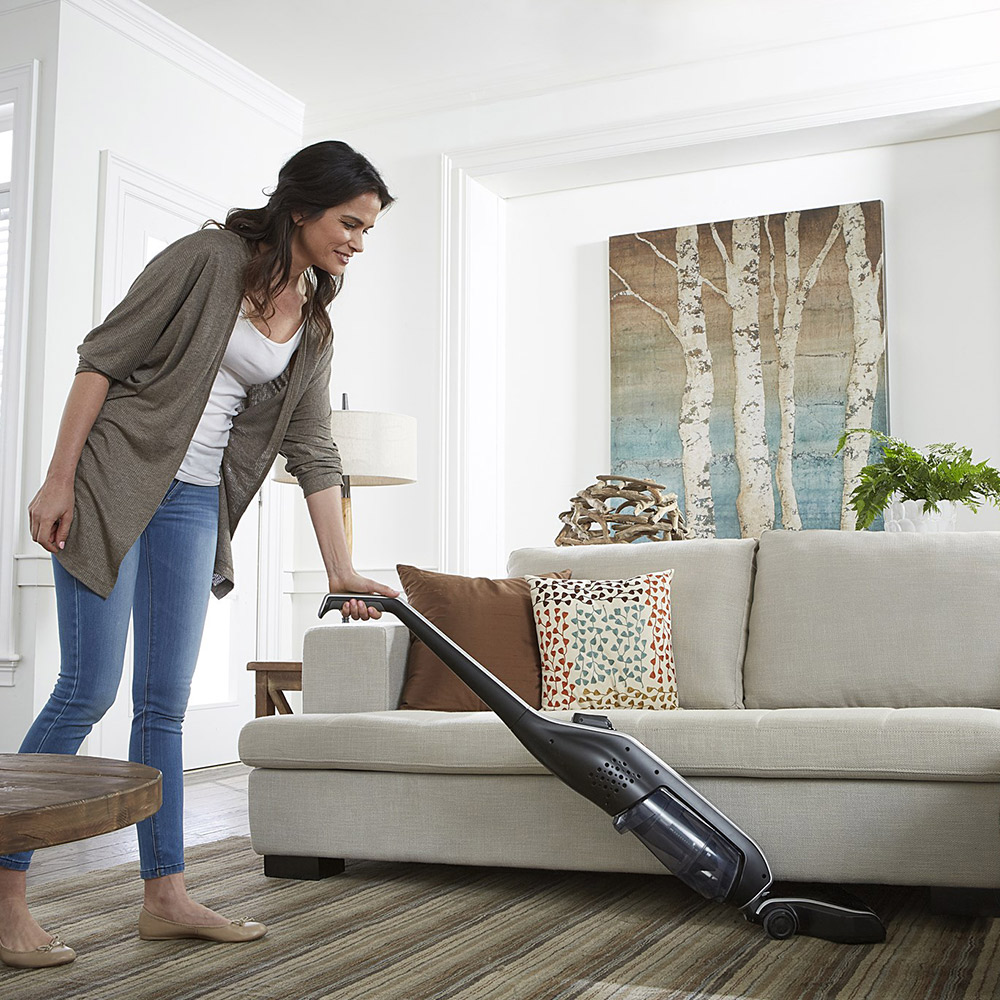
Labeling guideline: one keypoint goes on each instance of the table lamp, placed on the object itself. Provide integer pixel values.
(376, 449)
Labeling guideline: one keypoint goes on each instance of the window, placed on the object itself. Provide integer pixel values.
(4, 230)
(18, 89)
(6, 144)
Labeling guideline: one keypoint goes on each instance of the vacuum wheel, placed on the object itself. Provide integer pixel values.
(780, 923)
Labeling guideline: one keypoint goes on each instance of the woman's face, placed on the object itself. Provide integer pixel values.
(328, 241)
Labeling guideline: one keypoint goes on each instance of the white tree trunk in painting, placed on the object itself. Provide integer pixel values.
(699, 386)
(755, 500)
(787, 326)
(869, 346)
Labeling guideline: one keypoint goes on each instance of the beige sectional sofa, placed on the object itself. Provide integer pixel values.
(840, 700)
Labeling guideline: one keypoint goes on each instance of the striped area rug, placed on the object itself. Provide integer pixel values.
(432, 932)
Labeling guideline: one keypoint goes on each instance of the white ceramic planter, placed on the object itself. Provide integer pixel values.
(908, 515)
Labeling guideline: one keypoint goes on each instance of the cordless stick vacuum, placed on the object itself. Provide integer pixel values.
(646, 797)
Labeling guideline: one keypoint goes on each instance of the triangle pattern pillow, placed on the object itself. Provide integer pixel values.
(605, 643)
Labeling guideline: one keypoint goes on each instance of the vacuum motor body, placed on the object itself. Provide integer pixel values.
(694, 840)
(685, 844)
(648, 798)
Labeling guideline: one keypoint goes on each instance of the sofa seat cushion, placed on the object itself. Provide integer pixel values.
(920, 744)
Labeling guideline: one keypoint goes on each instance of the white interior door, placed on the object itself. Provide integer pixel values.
(222, 692)
(142, 214)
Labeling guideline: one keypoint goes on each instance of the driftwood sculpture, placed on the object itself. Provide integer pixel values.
(621, 509)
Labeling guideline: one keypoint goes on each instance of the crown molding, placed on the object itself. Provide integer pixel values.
(923, 106)
(145, 26)
(13, 6)
(472, 91)
(153, 31)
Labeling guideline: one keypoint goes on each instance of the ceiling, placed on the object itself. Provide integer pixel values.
(348, 59)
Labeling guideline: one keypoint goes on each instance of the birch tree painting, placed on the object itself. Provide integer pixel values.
(699, 383)
(740, 352)
(755, 498)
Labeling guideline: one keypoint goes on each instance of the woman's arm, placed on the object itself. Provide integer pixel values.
(328, 523)
(50, 513)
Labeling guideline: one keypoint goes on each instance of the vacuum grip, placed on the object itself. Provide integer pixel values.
(334, 602)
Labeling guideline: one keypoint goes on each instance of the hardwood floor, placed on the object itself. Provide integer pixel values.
(215, 807)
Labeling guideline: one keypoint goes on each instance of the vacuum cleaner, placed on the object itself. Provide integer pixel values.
(647, 798)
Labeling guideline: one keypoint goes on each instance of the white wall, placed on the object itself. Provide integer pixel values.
(943, 345)
(105, 88)
(27, 35)
(731, 122)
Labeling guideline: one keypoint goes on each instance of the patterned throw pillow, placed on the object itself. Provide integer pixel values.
(605, 643)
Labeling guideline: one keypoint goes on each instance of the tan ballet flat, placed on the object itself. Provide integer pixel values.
(48, 955)
(154, 928)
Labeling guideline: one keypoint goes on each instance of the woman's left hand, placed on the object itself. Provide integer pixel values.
(354, 583)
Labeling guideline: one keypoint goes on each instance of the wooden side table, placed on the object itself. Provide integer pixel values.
(274, 678)
(49, 798)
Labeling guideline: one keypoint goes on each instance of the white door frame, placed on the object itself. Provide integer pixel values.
(18, 86)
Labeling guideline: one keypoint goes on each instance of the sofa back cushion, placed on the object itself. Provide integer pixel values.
(709, 602)
(872, 618)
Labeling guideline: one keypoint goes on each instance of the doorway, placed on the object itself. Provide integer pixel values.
(143, 213)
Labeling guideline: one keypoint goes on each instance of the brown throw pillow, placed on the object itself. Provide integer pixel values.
(490, 619)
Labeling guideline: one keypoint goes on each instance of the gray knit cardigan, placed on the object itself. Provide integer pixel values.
(161, 348)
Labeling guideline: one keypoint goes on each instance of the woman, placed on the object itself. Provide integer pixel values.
(217, 359)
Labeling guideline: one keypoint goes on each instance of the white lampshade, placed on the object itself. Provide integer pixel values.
(377, 449)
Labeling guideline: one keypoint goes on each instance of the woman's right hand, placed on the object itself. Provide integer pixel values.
(50, 514)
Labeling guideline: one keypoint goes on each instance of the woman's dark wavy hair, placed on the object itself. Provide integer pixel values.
(316, 178)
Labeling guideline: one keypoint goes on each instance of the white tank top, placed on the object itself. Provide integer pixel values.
(250, 359)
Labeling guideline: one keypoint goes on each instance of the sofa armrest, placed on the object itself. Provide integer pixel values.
(353, 667)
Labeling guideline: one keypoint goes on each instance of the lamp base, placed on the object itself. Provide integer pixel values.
(345, 506)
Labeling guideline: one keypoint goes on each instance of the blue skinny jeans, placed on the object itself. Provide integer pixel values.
(163, 584)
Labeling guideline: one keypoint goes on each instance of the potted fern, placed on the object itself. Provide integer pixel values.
(910, 483)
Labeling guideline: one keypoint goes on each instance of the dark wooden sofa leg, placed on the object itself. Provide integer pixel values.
(964, 902)
(291, 866)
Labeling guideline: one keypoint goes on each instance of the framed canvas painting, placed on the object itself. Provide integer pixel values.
(740, 352)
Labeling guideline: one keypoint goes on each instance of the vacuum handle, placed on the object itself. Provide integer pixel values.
(508, 705)
(334, 602)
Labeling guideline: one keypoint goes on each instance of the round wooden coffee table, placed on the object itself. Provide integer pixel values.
(48, 798)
